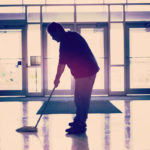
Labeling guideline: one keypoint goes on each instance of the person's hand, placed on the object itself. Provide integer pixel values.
(56, 82)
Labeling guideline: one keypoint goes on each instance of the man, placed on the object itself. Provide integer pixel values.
(76, 54)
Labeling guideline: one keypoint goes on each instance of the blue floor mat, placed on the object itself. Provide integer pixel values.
(68, 107)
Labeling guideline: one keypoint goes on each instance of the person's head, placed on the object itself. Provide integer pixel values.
(56, 31)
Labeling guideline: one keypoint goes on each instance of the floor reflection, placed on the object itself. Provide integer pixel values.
(127, 125)
(25, 114)
(129, 130)
(107, 132)
(25, 123)
(79, 141)
(45, 130)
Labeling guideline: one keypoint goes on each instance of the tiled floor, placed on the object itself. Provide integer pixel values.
(129, 130)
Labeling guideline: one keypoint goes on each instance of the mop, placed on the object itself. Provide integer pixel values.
(34, 128)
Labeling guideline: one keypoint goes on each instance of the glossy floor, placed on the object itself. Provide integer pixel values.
(129, 130)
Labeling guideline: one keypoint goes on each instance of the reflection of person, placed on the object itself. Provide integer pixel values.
(76, 54)
(79, 142)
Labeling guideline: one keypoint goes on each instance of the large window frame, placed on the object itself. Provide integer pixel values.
(19, 24)
(128, 90)
(45, 64)
(106, 58)
(106, 54)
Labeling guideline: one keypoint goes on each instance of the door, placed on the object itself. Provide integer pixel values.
(138, 58)
(12, 60)
(96, 37)
(51, 57)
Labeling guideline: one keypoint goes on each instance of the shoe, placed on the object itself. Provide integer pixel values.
(76, 123)
(76, 130)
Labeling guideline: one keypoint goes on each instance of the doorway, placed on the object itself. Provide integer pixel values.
(138, 58)
(96, 36)
(12, 60)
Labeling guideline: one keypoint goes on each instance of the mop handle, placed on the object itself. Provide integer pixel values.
(45, 107)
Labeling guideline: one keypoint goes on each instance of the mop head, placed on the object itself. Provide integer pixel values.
(27, 129)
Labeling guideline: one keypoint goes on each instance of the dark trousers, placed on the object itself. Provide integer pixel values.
(82, 95)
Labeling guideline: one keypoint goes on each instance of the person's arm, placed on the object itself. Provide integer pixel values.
(60, 70)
